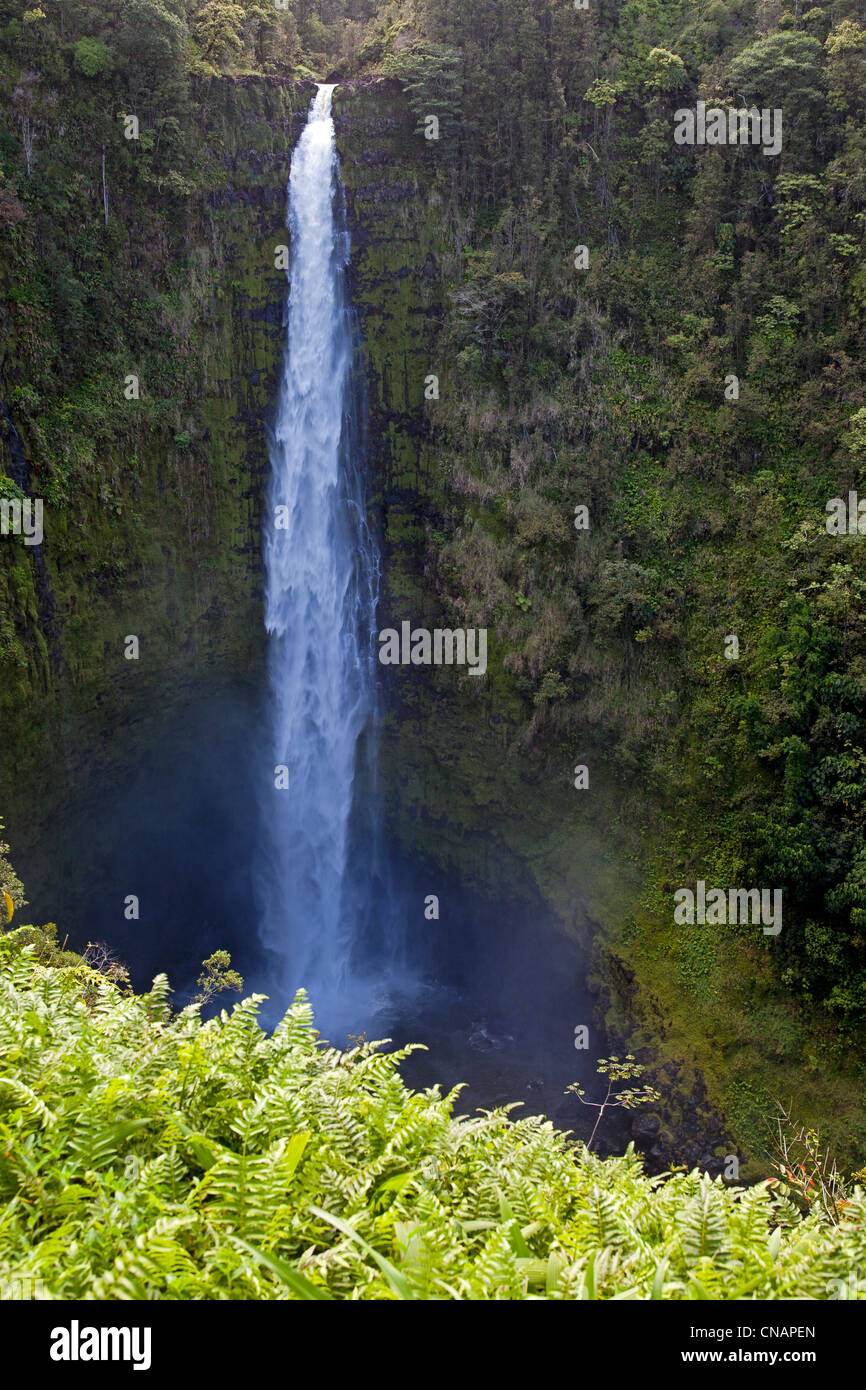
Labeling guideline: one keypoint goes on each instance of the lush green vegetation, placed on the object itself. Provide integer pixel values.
(146, 1154)
(606, 388)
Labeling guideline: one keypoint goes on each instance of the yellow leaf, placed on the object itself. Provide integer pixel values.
(10, 906)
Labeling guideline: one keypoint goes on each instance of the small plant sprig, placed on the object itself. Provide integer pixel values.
(99, 956)
(630, 1098)
(216, 976)
(807, 1168)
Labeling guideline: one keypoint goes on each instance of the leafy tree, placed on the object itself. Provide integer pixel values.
(150, 46)
(846, 51)
(665, 71)
(781, 70)
(217, 976)
(432, 79)
(92, 58)
(217, 29)
(618, 1096)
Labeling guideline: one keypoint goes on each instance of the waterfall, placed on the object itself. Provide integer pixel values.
(321, 882)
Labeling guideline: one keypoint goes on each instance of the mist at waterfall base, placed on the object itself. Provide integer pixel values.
(497, 988)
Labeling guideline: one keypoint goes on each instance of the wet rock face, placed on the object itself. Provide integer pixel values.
(258, 199)
(683, 1128)
(394, 236)
(689, 1132)
(644, 1129)
(185, 520)
(385, 193)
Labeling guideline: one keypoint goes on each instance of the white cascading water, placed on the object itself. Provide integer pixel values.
(322, 576)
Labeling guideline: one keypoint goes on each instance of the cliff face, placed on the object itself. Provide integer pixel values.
(460, 787)
(161, 537)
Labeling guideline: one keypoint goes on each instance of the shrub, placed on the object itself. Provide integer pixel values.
(91, 57)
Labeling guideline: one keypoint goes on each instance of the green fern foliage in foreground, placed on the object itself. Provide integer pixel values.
(146, 1154)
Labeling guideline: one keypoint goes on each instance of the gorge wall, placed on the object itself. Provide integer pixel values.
(153, 526)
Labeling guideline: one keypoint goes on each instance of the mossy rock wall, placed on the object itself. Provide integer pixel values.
(162, 543)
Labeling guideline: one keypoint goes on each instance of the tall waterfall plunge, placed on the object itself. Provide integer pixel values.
(322, 882)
